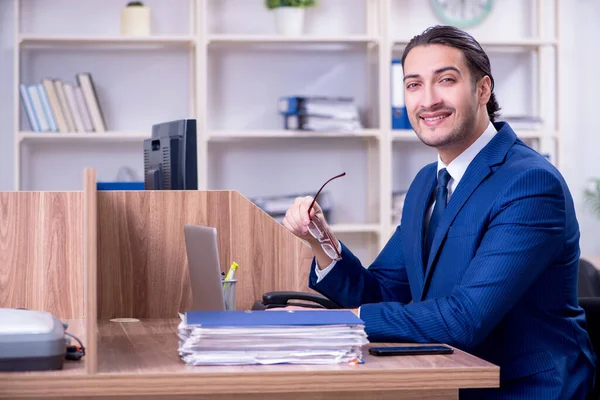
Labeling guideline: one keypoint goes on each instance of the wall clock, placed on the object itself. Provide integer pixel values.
(462, 13)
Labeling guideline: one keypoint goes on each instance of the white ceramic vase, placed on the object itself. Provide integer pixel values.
(289, 21)
(135, 21)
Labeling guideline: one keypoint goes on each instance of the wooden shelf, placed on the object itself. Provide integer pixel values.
(408, 135)
(517, 44)
(55, 40)
(261, 134)
(304, 43)
(535, 134)
(306, 39)
(114, 136)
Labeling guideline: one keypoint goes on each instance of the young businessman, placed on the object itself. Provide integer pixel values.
(485, 257)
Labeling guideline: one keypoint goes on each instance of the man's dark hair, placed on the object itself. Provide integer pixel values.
(477, 60)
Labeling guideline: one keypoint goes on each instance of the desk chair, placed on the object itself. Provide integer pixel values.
(591, 306)
(588, 280)
(284, 299)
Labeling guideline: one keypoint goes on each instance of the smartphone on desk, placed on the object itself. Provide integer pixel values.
(410, 350)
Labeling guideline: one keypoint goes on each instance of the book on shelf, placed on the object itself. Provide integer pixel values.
(90, 95)
(48, 112)
(37, 119)
(64, 105)
(28, 105)
(56, 106)
(319, 123)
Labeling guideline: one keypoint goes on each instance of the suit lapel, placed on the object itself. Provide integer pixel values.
(479, 169)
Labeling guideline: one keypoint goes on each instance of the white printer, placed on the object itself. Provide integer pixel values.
(30, 340)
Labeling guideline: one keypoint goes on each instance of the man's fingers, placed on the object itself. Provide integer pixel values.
(291, 221)
(306, 202)
(299, 215)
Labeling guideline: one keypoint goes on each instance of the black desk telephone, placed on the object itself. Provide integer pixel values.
(284, 299)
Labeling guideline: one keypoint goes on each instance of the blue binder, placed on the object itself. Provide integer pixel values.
(271, 318)
(399, 114)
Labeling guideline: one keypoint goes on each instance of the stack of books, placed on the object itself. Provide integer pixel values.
(271, 337)
(56, 106)
(314, 113)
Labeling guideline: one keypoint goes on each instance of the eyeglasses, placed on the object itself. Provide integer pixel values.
(322, 235)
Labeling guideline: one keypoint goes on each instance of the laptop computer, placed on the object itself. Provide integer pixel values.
(204, 268)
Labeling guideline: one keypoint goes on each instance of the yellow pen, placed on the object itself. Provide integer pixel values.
(232, 269)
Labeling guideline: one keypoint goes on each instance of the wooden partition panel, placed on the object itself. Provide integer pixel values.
(142, 264)
(271, 258)
(41, 252)
(90, 264)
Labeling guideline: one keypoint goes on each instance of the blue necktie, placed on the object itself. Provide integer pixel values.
(441, 197)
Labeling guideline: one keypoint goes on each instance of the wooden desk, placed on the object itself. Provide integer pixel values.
(140, 360)
(89, 257)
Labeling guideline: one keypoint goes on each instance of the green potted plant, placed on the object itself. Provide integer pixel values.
(592, 196)
(289, 15)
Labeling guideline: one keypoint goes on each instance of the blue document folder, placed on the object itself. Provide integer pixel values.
(271, 318)
(399, 114)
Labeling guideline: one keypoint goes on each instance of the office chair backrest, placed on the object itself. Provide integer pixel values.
(588, 281)
(591, 306)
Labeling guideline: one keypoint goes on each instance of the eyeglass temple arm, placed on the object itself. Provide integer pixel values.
(317, 195)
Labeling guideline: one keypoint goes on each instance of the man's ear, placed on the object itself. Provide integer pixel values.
(484, 90)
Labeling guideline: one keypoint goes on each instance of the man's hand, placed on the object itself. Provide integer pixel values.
(298, 308)
(297, 218)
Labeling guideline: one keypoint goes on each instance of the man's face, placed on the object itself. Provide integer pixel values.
(441, 100)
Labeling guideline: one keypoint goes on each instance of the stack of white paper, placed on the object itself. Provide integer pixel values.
(271, 337)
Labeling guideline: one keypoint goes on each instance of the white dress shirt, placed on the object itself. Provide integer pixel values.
(456, 169)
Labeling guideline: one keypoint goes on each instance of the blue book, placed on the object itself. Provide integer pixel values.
(271, 318)
(29, 109)
(46, 106)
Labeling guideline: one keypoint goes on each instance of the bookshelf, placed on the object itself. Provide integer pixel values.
(226, 66)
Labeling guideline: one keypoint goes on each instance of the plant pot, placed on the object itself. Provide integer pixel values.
(135, 21)
(289, 21)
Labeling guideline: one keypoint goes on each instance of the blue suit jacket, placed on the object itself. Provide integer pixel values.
(501, 281)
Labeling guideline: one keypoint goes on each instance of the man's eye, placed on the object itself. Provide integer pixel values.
(411, 85)
(448, 80)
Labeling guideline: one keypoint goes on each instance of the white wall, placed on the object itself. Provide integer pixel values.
(580, 61)
(6, 95)
(581, 104)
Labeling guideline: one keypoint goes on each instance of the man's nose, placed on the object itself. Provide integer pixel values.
(431, 98)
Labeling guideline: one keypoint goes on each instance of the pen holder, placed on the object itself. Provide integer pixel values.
(229, 294)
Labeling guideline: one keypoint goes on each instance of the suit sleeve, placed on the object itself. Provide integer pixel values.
(350, 284)
(524, 236)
